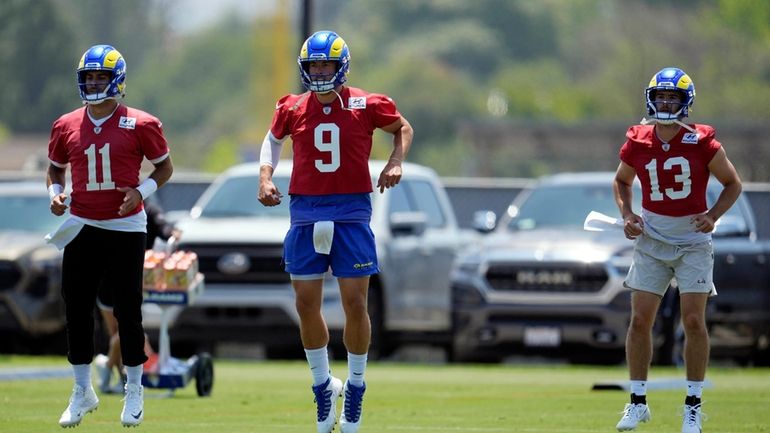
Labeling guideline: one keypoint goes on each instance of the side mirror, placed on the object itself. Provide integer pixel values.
(408, 223)
(484, 221)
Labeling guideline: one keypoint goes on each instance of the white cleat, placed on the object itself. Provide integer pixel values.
(103, 372)
(350, 419)
(692, 417)
(326, 395)
(133, 406)
(82, 401)
(633, 414)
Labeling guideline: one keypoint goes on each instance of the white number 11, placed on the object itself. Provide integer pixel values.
(106, 183)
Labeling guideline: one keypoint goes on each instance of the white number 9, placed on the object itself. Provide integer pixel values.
(332, 146)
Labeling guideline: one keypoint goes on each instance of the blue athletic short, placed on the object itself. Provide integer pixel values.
(353, 252)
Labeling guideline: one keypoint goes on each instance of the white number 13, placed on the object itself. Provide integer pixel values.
(683, 178)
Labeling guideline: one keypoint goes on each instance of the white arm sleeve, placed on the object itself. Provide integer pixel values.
(271, 150)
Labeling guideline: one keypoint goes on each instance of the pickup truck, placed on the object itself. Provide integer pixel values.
(249, 298)
(541, 284)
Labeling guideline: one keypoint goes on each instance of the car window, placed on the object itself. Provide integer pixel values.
(27, 213)
(237, 196)
(565, 206)
(426, 200)
(417, 196)
(398, 201)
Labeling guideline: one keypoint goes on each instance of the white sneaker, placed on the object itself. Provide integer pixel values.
(633, 414)
(692, 418)
(350, 419)
(82, 401)
(133, 406)
(326, 395)
(103, 372)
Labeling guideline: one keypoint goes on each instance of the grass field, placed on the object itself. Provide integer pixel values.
(261, 396)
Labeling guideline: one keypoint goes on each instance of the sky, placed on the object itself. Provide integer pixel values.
(188, 15)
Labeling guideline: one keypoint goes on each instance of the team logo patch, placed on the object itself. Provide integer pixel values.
(357, 102)
(690, 138)
(127, 122)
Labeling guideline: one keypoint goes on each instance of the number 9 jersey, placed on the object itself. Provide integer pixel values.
(106, 157)
(673, 175)
(332, 142)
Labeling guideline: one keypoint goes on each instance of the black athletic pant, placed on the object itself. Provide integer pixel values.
(114, 261)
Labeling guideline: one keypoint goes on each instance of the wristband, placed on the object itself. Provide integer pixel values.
(54, 189)
(147, 187)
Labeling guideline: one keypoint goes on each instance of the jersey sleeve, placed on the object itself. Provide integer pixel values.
(57, 152)
(384, 111)
(153, 142)
(708, 141)
(280, 126)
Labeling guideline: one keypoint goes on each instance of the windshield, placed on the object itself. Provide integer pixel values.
(28, 213)
(552, 206)
(237, 197)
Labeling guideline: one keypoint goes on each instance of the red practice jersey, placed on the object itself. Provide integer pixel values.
(673, 175)
(101, 162)
(332, 144)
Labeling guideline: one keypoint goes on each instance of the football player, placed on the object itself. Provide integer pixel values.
(673, 160)
(331, 128)
(104, 144)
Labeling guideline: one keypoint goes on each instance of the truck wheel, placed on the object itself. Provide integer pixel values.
(204, 375)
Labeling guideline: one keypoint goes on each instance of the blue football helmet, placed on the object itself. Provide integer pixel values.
(329, 46)
(670, 79)
(102, 58)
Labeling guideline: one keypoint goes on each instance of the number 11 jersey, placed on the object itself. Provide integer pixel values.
(104, 158)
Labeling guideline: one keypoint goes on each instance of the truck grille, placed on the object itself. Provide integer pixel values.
(547, 277)
(263, 264)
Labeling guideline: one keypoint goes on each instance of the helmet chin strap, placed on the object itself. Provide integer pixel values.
(646, 121)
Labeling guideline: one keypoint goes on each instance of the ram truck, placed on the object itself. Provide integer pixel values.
(541, 284)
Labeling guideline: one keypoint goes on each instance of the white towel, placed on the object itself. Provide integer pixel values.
(65, 233)
(598, 222)
(323, 233)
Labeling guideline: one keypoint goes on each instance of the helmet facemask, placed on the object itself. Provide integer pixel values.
(676, 110)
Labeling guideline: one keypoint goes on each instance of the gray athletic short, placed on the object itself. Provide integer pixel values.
(656, 263)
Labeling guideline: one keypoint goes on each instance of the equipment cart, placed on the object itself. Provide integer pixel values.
(173, 373)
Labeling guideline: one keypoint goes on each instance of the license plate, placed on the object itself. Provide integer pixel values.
(542, 336)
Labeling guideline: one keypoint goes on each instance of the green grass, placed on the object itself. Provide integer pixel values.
(262, 396)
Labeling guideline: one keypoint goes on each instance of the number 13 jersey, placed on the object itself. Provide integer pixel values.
(105, 158)
(332, 143)
(673, 175)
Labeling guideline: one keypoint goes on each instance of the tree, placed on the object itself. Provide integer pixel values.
(36, 65)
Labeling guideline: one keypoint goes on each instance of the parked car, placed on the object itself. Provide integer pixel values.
(31, 309)
(541, 284)
(249, 298)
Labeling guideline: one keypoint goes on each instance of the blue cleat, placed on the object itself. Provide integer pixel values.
(350, 420)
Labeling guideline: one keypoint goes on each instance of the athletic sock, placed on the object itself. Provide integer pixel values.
(318, 359)
(134, 374)
(82, 374)
(695, 388)
(639, 391)
(356, 368)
